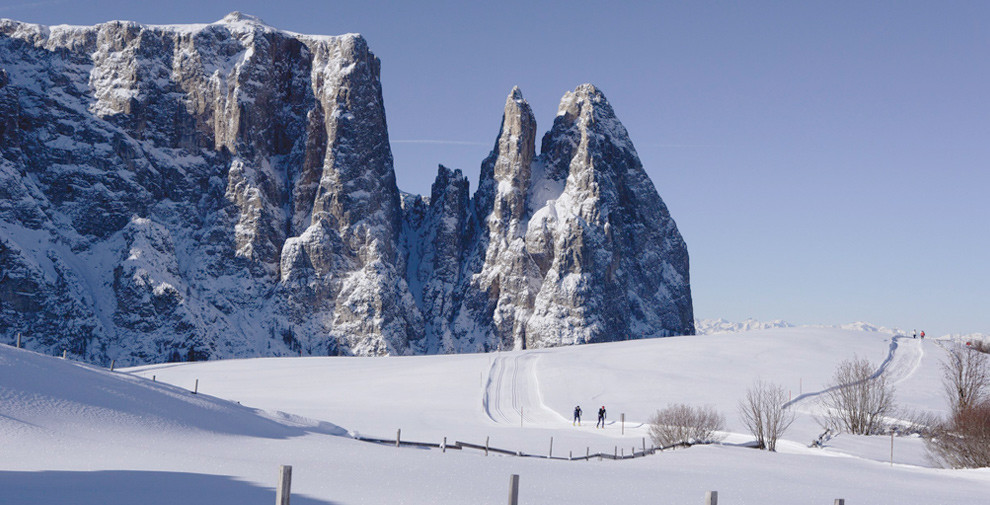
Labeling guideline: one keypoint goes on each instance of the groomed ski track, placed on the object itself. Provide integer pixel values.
(512, 393)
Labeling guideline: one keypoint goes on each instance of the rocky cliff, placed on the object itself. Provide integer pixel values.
(227, 190)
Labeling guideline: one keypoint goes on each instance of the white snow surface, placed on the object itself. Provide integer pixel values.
(74, 433)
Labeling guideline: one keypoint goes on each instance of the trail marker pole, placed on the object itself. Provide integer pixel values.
(644, 446)
(514, 489)
(551, 447)
(18, 340)
(196, 387)
(711, 498)
(891, 447)
(284, 489)
(398, 436)
(622, 419)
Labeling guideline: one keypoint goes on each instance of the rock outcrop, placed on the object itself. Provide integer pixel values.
(227, 190)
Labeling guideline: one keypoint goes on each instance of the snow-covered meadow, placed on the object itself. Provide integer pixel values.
(73, 433)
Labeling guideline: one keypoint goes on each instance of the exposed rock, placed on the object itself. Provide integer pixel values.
(227, 190)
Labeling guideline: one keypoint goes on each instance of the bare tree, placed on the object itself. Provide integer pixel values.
(966, 378)
(857, 400)
(683, 423)
(763, 413)
(964, 440)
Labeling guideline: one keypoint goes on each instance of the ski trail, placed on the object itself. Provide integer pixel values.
(513, 391)
(897, 365)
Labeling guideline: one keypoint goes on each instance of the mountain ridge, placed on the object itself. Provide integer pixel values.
(183, 192)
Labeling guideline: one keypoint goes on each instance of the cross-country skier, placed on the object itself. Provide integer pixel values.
(601, 417)
(577, 416)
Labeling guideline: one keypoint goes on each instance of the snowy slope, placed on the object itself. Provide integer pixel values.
(116, 437)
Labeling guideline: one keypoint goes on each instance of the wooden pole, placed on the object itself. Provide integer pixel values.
(443, 448)
(551, 447)
(398, 436)
(644, 446)
(486, 444)
(587, 453)
(64, 352)
(196, 387)
(840, 501)
(570, 455)
(514, 489)
(112, 363)
(616, 453)
(284, 489)
(711, 498)
(891, 447)
(18, 340)
(622, 418)
(153, 378)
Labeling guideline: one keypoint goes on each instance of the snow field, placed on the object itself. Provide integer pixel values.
(100, 437)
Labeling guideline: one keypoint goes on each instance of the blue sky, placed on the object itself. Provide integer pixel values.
(826, 162)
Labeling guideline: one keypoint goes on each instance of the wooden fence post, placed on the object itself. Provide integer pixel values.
(112, 363)
(616, 455)
(551, 447)
(840, 501)
(644, 446)
(398, 436)
(514, 489)
(153, 378)
(196, 387)
(18, 340)
(443, 448)
(64, 352)
(711, 498)
(284, 489)
(622, 418)
(486, 444)
(587, 453)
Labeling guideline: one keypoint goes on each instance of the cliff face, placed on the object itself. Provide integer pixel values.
(227, 190)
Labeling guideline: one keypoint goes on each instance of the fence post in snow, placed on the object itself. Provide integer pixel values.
(514, 489)
(283, 491)
(64, 352)
(622, 418)
(551, 447)
(616, 454)
(711, 498)
(644, 446)
(196, 387)
(398, 436)
(443, 448)
(112, 363)
(486, 445)
(18, 340)
(840, 501)
(570, 455)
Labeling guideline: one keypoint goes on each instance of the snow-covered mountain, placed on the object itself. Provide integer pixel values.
(227, 190)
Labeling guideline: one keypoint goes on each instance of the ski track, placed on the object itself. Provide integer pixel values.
(513, 391)
(898, 365)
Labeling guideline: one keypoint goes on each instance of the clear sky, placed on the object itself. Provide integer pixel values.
(826, 162)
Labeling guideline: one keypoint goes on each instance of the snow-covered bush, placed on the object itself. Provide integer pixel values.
(763, 413)
(684, 423)
(858, 401)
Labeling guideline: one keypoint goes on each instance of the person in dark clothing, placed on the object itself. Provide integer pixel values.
(601, 417)
(577, 416)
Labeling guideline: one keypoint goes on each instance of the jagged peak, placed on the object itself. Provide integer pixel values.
(585, 93)
(240, 17)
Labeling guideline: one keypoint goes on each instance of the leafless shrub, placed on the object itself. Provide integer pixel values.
(964, 440)
(923, 423)
(966, 378)
(981, 346)
(683, 423)
(763, 413)
(857, 402)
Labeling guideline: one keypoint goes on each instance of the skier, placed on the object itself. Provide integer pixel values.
(914, 334)
(922, 334)
(577, 416)
(601, 417)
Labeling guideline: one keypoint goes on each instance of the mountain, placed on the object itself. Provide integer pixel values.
(190, 192)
